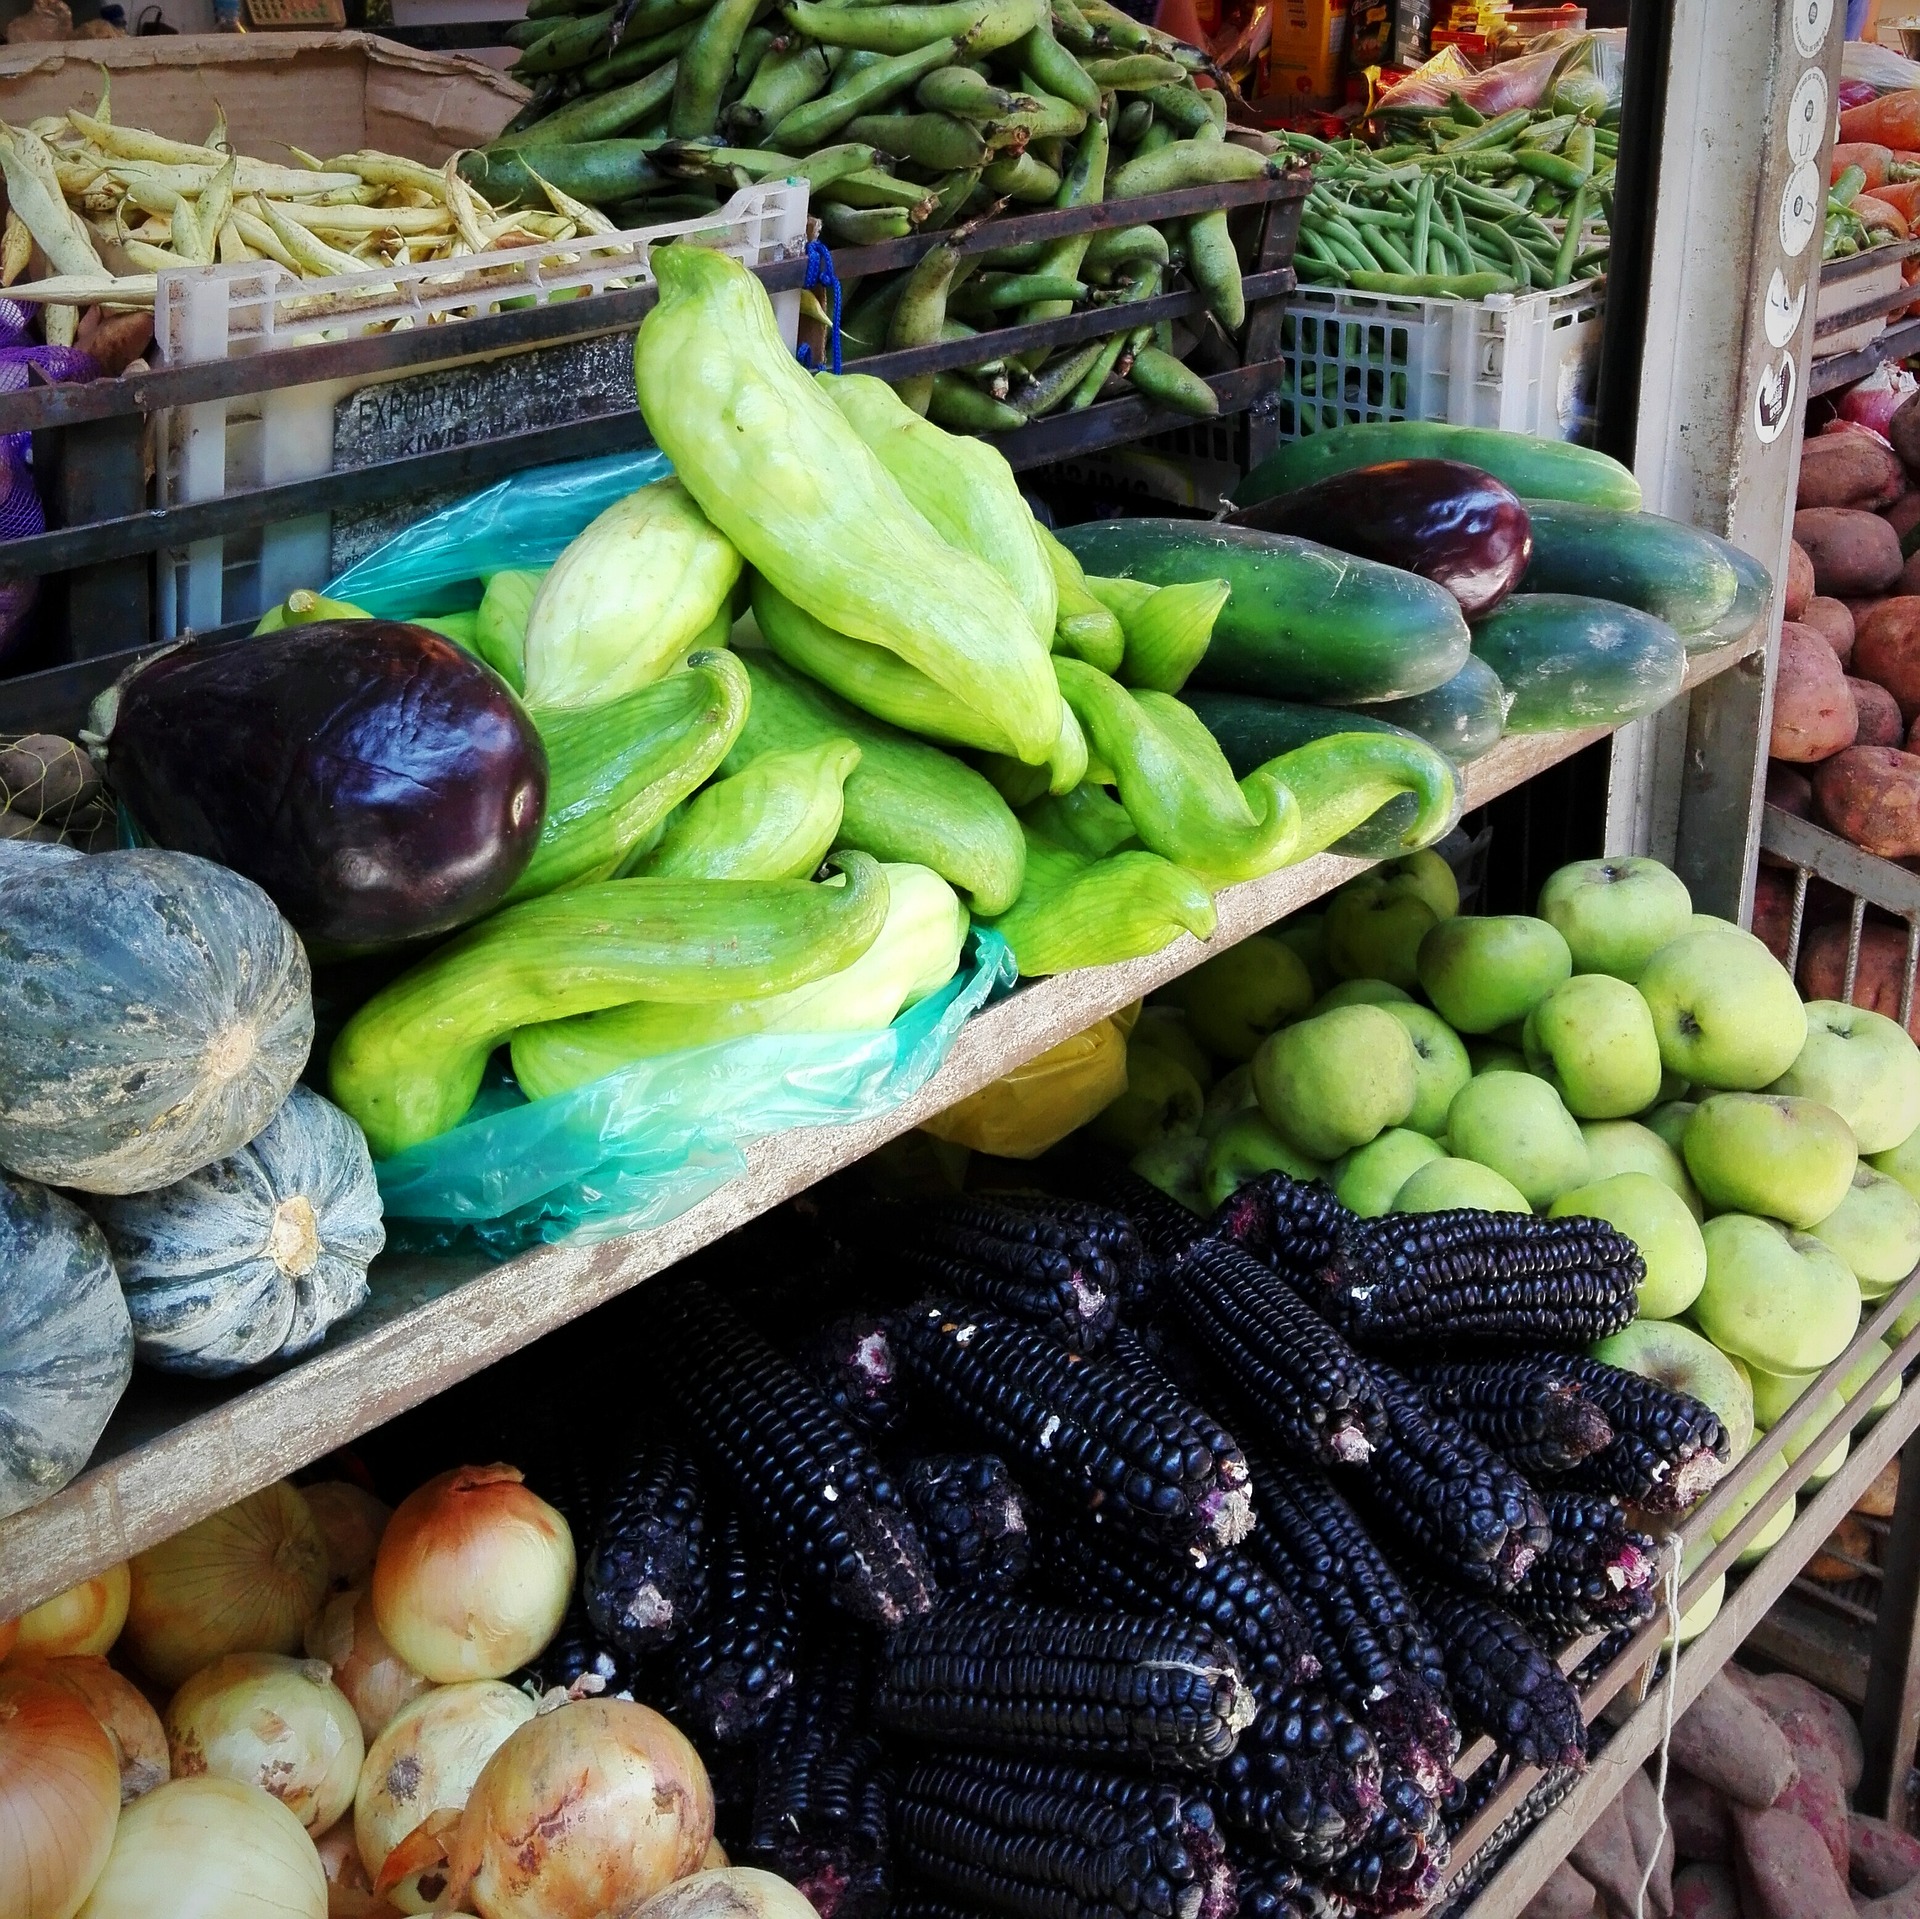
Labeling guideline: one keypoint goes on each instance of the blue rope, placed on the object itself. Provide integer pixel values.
(820, 273)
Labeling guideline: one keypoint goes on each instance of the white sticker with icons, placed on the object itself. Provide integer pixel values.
(1783, 310)
(1807, 117)
(1811, 18)
(1802, 207)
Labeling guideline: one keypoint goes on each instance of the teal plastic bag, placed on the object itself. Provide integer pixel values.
(437, 564)
(638, 1147)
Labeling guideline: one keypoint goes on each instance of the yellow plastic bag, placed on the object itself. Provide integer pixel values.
(1037, 1105)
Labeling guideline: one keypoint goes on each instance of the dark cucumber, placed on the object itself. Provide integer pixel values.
(1571, 662)
(1302, 622)
(1534, 469)
(1251, 731)
(1664, 567)
(1750, 603)
(1463, 719)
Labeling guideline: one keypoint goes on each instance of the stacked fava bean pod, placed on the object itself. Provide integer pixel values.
(909, 119)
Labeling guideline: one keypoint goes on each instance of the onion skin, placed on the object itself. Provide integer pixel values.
(473, 1575)
(209, 1848)
(9, 1637)
(276, 1723)
(246, 1579)
(351, 1522)
(426, 1762)
(590, 1809)
(59, 1799)
(729, 1892)
(375, 1679)
(86, 1618)
(125, 1714)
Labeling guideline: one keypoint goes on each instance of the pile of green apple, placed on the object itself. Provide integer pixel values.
(1618, 1057)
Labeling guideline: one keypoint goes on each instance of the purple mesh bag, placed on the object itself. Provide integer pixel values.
(21, 514)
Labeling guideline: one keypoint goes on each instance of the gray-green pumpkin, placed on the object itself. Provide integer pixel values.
(154, 1011)
(250, 1259)
(66, 1349)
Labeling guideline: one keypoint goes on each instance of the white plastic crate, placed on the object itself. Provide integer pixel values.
(1524, 362)
(288, 433)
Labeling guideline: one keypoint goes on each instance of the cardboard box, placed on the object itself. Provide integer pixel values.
(325, 92)
(1307, 58)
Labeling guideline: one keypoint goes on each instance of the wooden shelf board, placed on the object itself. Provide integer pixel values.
(177, 1449)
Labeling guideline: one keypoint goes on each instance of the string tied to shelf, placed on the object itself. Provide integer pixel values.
(821, 276)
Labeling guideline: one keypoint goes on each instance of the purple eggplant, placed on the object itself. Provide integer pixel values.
(1446, 521)
(380, 784)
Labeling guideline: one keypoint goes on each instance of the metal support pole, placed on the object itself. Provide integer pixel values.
(1733, 274)
(1890, 1717)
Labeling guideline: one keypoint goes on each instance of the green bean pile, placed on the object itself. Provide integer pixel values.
(1460, 208)
(908, 118)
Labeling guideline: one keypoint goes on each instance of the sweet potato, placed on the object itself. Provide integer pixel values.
(1604, 1853)
(1904, 514)
(1789, 789)
(1773, 910)
(1881, 1858)
(1725, 1739)
(1886, 649)
(1879, 1497)
(1653, 1841)
(1879, 714)
(1876, 986)
(1784, 1869)
(1833, 621)
(1904, 428)
(1902, 1904)
(1809, 1716)
(1909, 580)
(1817, 1795)
(1799, 588)
(1849, 468)
(1701, 1826)
(1853, 552)
(1565, 1896)
(1705, 1892)
(1871, 795)
(1813, 713)
(1858, 609)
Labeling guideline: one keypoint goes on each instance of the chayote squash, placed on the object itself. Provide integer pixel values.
(915, 954)
(629, 594)
(500, 621)
(778, 469)
(774, 820)
(407, 1065)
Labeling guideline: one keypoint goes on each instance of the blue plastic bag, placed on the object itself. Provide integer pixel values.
(640, 1146)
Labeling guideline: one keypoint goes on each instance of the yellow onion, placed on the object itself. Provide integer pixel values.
(376, 1680)
(9, 1636)
(589, 1809)
(84, 1619)
(273, 1722)
(473, 1575)
(425, 1763)
(209, 1848)
(729, 1892)
(351, 1522)
(59, 1799)
(123, 1710)
(350, 1893)
(243, 1580)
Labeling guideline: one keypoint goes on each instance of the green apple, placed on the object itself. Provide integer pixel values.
(1495, 1056)
(1375, 934)
(1244, 1148)
(1673, 1085)
(1176, 1165)
(1876, 1230)
(1162, 1097)
(1656, 1219)
(1234, 1000)
(1231, 1093)
(1703, 1611)
(1306, 933)
(1626, 1146)
(1484, 973)
(1165, 1028)
(1902, 1162)
(1366, 1181)
(1334, 1082)
(1724, 1008)
(1440, 1065)
(1592, 1040)
(1516, 1124)
(1864, 1066)
(1425, 875)
(1771, 1530)
(1616, 914)
(1767, 1302)
(1682, 1360)
(1791, 1159)
(1442, 1185)
(1668, 1122)
(1362, 992)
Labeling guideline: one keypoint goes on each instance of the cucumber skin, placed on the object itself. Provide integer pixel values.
(1570, 662)
(1251, 731)
(1664, 567)
(1463, 719)
(1302, 622)
(1540, 469)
